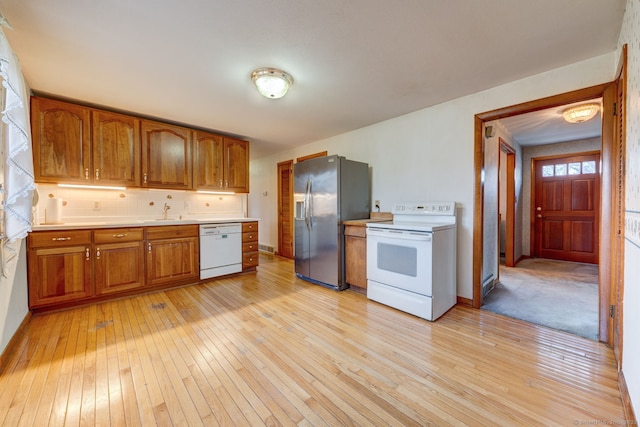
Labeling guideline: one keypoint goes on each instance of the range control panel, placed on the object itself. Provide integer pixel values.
(424, 208)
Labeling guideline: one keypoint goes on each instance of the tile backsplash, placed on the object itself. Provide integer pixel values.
(90, 205)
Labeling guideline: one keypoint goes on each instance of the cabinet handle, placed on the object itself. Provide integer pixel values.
(144, 178)
(119, 236)
(97, 253)
(226, 184)
(220, 183)
(149, 247)
(61, 239)
(97, 174)
(86, 254)
(86, 173)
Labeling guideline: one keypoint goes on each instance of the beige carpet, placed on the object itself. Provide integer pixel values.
(561, 295)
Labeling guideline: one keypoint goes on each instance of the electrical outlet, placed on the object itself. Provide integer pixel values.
(376, 204)
(97, 205)
(187, 205)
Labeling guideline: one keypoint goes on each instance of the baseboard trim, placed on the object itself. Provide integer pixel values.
(629, 415)
(13, 342)
(465, 301)
(521, 258)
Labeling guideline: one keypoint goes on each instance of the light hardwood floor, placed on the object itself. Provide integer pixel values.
(270, 349)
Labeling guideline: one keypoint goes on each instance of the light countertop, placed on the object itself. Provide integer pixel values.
(135, 223)
(374, 217)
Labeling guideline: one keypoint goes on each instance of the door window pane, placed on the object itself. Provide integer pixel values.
(574, 168)
(589, 167)
(547, 170)
(561, 169)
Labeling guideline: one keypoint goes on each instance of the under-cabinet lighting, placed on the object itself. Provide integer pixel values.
(214, 192)
(92, 187)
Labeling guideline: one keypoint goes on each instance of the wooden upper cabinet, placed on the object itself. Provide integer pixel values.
(61, 135)
(220, 163)
(166, 156)
(83, 145)
(208, 161)
(116, 149)
(236, 153)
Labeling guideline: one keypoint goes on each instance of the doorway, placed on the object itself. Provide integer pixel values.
(567, 206)
(285, 204)
(507, 202)
(285, 209)
(607, 93)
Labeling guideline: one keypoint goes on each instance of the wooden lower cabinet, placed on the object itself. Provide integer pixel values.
(172, 260)
(355, 249)
(118, 260)
(59, 267)
(250, 254)
(71, 267)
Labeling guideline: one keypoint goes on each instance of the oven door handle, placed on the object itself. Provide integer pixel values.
(399, 234)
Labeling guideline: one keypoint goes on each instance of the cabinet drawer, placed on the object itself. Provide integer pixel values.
(249, 226)
(250, 260)
(249, 247)
(115, 235)
(251, 236)
(355, 230)
(171, 231)
(40, 239)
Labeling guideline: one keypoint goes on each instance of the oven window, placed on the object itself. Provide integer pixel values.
(398, 259)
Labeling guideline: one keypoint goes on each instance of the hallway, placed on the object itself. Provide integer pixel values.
(558, 294)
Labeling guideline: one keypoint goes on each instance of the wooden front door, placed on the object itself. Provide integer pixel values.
(567, 207)
(285, 209)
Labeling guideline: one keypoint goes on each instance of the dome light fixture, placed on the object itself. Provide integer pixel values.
(581, 113)
(271, 82)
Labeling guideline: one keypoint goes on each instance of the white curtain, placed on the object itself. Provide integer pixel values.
(18, 186)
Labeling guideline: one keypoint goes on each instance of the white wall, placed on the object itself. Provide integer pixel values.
(13, 293)
(425, 155)
(631, 335)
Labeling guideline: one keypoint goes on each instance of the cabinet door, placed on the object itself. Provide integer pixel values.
(61, 141)
(172, 260)
(236, 165)
(355, 249)
(59, 274)
(208, 170)
(166, 156)
(116, 149)
(119, 266)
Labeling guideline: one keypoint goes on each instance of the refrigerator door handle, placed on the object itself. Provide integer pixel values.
(307, 200)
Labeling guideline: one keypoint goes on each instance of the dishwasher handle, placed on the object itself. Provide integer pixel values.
(216, 229)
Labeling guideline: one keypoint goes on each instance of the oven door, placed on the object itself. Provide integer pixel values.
(400, 258)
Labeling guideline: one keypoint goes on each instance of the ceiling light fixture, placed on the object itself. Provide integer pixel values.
(271, 82)
(580, 113)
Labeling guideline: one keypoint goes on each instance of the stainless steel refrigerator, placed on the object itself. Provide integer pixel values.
(327, 191)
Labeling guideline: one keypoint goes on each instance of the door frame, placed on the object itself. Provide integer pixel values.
(606, 91)
(510, 223)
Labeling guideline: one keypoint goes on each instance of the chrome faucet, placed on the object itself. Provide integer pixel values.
(165, 208)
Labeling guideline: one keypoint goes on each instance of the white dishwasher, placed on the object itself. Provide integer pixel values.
(220, 249)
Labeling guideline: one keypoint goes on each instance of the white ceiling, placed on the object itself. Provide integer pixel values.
(548, 126)
(354, 62)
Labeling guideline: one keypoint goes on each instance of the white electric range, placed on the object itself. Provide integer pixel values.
(411, 262)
